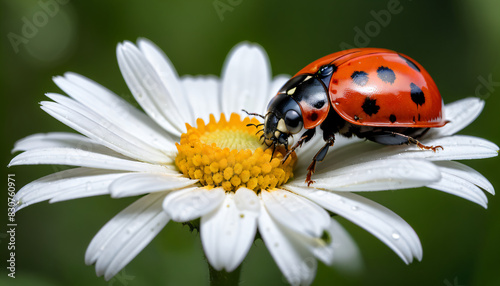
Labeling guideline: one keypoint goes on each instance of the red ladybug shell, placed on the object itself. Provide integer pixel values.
(378, 87)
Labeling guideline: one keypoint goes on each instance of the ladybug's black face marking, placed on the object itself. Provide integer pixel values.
(283, 118)
(386, 74)
(370, 106)
(417, 95)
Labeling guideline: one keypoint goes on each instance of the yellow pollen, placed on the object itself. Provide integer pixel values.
(228, 154)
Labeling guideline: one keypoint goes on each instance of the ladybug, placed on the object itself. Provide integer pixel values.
(371, 93)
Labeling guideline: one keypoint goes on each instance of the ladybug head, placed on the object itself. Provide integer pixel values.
(283, 119)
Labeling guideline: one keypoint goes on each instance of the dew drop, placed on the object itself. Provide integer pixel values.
(341, 201)
(395, 235)
(354, 208)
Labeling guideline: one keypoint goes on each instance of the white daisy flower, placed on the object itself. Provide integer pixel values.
(191, 158)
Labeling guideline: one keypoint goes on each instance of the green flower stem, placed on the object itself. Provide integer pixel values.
(223, 278)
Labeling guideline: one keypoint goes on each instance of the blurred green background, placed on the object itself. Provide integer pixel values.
(456, 41)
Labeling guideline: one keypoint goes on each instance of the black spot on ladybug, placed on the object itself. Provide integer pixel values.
(410, 63)
(359, 78)
(319, 104)
(334, 91)
(313, 117)
(414, 119)
(335, 81)
(356, 117)
(370, 106)
(419, 117)
(417, 95)
(386, 74)
(392, 118)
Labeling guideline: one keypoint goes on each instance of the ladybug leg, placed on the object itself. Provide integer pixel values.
(412, 140)
(308, 135)
(318, 158)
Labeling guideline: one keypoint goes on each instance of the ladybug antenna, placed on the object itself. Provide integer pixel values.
(256, 125)
(253, 114)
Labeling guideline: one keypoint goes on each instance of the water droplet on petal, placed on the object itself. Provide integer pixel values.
(395, 235)
(354, 208)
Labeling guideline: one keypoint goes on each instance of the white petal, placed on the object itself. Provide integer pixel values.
(169, 77)
(135, 244)
(460, 180)
(61, 139)
(65, 185)
(228, 232)
(456, 147)
(389, 174)
(89, 123)
(192, 203)
(203, 94)
(126, 234)
(460, 113)
(309, 149)
(82, 158)
(296, 263)
(245, 79)
(143, 183)
(467, 173)
(336, 245)
(347, 256)
(295, 212)
(148, 89)
(115, 109)
(378, 220)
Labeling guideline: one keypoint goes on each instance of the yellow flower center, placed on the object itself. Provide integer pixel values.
(229, 154)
